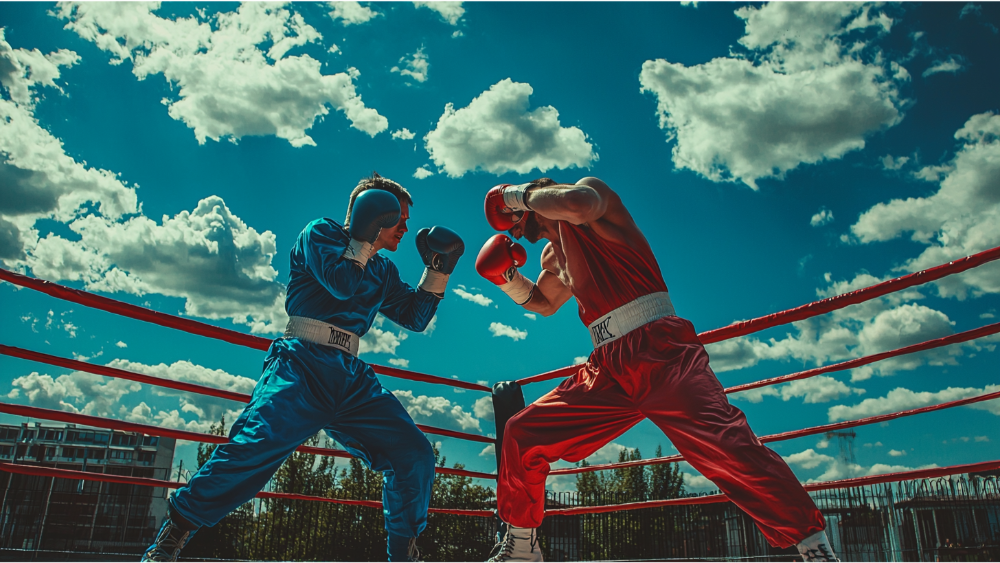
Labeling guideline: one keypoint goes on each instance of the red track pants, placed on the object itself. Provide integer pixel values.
(659, 372)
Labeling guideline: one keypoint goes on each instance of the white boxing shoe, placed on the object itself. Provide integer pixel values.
(519, 544)
(816, 548)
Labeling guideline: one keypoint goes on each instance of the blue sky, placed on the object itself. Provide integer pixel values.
(168, 155)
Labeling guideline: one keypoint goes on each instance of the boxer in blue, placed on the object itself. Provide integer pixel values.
(313, 380)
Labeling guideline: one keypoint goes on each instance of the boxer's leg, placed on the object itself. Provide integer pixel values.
(571, 422)
(376, 428)
(686, 400)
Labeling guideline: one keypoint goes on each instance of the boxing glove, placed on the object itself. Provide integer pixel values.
(439, 248)
(505, 205)
(373, 211)
(498, 262)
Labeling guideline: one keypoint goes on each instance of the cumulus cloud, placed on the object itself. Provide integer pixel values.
(808, 89)
(819, 389)
(380, 341)
(860, 330)
(415, 66)
(422, 172)
(477, 298)
(78, 392)
(404, 134)
(497, 133)
(580, 360)
(900, 399)
(823, 217)
(961, 218)
(483, 408)
(226, 85)
(351, 13)
(500, 329)
(450, 12)
(952, 64)
(894, 163)
(121, 344)
(834, 468)
(897, 453)
(208, 256)
(437, 411)
(37, 179)
(400, 362)
(531, 316)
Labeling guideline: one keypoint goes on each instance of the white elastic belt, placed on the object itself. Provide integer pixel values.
(629, 317)
(322, 333)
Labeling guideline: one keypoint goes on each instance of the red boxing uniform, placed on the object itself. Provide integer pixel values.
(659, 371)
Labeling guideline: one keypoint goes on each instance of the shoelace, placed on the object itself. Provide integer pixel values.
(412, 552)
(506, 548)
(168, 546)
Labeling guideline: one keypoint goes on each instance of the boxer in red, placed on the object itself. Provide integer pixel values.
(647, 363)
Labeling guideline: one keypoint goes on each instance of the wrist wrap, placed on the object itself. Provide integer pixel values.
(359, 251)
(519, 288)
(434, 282)
(513, 197)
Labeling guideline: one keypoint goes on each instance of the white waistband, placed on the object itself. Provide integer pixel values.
(629, 317)
(322, 333)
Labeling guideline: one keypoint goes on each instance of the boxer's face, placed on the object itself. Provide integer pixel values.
(390, 237)
(528, 227)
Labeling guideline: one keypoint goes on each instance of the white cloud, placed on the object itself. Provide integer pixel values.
(226, 86)
(208, 256)
(860, 330)
(500, 329)
(900, 399)
(79, 392)
(422, 172)
(982, 438)
(497, 133)
(580, 360)
(21, 70)
(952, 64)
(960, 219)
(699, 483)
(351, 13)
(897, 453)
(606, 454)
(121, 344)
(483, 408)
(415, 67)
(531, 316)
(400, 362)
(488, 451)
(403, 133)
(380, 341)
(818, 389)
(987, 316)
(450, 12)
(894, 163)
(803, 94)
(823, 217)
(436, 411)
(476, 298)
(834, 468)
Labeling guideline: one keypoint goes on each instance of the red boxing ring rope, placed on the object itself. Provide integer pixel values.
(189, 387)
(810, 310)
(842, 483)
(99, 422)
(791, 434)
(148, 482)
(850, 364)
(195, 327)
(708, 499)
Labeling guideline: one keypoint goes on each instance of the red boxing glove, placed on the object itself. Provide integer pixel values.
(505, 205)
(498, 262)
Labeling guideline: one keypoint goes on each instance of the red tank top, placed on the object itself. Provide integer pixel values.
(604, 275)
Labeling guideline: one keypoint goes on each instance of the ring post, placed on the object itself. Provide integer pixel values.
(508, 400)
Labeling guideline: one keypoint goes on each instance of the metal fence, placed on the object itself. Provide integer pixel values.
(950, 519)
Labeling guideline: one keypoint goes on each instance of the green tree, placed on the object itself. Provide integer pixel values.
(205, 450)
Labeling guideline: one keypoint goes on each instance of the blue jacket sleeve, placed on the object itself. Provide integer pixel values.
(410, 308)
(323, 248)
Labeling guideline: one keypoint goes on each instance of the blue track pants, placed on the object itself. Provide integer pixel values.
(306, 388)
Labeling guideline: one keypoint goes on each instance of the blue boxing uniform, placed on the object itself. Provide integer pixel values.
(307, 387)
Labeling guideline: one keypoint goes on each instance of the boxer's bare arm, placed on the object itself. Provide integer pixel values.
(550, 292)
(588, 202)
